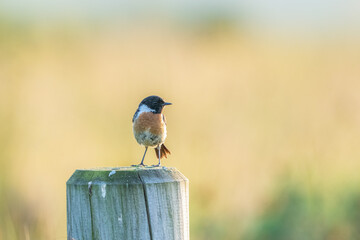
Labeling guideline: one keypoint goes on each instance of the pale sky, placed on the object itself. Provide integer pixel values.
(274, 14)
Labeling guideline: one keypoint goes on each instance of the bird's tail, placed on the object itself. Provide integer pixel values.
(163, 151)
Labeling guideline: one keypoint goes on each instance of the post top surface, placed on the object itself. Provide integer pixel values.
(126, 175)
(130, 168)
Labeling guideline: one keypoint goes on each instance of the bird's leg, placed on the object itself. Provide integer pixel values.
(142, 160)
(158, 148)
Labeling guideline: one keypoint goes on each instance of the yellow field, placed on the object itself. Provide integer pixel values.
(249, 116)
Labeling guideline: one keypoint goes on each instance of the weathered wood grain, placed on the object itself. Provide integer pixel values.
(128, 203)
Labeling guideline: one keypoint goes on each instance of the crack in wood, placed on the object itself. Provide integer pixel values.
(146, 205)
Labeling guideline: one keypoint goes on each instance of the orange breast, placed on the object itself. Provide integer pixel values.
(151, 122)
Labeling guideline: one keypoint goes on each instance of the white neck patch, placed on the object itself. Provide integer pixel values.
(143, 108)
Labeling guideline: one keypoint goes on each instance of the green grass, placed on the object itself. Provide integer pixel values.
(294, 214)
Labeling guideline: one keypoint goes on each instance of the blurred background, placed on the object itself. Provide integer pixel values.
(265, 120)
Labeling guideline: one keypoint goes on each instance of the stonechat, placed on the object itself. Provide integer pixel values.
(149, 126)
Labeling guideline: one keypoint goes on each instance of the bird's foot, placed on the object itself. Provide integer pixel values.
(139, 165)
(157, 165)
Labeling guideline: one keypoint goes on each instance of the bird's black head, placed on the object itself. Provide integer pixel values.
(154, 103)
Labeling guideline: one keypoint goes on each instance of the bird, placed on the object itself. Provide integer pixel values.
(149, 127)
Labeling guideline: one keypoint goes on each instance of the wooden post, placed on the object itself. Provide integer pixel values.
(128, 203)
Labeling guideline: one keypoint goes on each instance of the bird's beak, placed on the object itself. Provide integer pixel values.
(167, 103)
